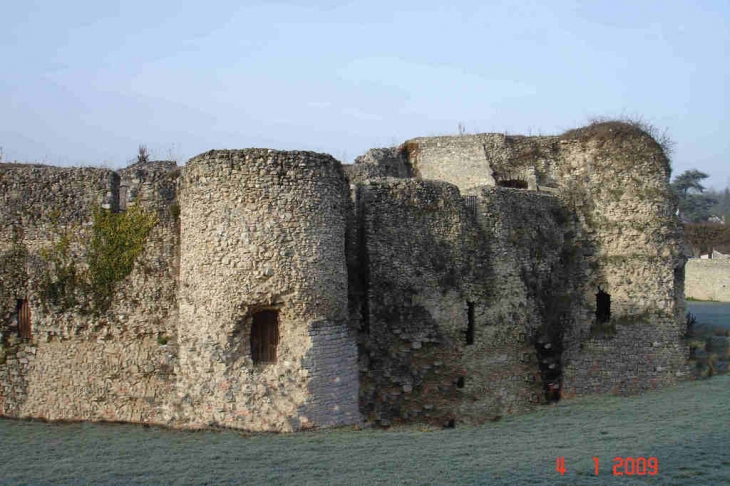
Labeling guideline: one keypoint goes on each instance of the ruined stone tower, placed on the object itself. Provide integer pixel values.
(263, 265)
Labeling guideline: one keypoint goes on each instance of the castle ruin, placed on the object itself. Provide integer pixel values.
(448, 280)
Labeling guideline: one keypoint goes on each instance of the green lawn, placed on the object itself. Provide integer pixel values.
(685, 428)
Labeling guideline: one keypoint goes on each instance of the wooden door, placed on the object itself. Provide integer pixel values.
(264, 336)
(23, 310)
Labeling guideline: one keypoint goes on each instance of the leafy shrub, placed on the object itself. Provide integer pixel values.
(116, 241)
(59, 285)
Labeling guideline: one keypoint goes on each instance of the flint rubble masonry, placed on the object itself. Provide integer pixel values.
(405, 287)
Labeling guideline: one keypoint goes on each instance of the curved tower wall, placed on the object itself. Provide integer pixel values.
(263, 230)
(616, 179)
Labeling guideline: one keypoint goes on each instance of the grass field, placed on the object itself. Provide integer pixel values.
(684, 427)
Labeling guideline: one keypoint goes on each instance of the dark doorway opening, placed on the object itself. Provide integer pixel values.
(470, 323)
(549, 355)
(603, 306)
(264, 336)
(23, 311)
(513, 183)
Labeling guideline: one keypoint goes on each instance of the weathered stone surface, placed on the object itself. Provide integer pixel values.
(424, 291)
(263, 229)
(602, 218)
(81, 366)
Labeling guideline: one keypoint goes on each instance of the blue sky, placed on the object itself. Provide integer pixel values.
(84, 83)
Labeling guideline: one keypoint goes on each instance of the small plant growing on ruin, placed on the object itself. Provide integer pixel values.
(143, 154)
(114, 242)
(162, 340)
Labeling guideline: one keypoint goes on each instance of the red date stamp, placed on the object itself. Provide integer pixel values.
(622, 466)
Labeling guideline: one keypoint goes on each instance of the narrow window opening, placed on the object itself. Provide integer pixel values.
(23, 310)
(679, 282)
(264, 336)
(470, 323)
(603, 306)
(460, 382)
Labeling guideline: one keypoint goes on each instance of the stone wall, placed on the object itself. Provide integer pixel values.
(265, 230)
(79, 364)
(534, 302)
(413, 238)
(614, 230)
(266, 285)
(460, 304)
(470, 161)
(708, 279)
(615, 178)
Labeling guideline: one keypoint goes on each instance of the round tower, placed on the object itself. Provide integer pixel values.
(264, 338)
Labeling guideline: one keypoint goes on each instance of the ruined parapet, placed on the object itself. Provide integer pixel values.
(151, 185)
(379, 162)
(460, 160)
(264, 336)
(39, 198)
(485, 159)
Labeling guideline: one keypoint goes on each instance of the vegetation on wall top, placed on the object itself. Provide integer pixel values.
(604, 130)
